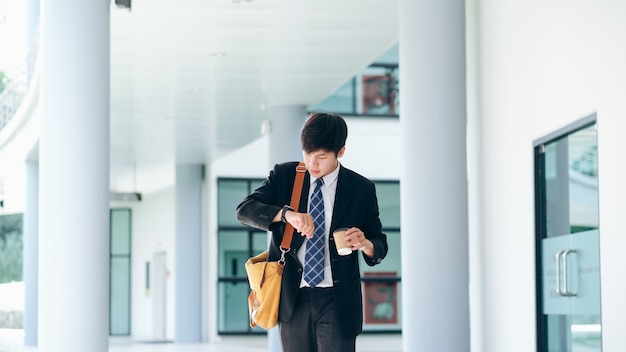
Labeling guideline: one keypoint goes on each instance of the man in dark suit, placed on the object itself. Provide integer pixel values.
(321, 308)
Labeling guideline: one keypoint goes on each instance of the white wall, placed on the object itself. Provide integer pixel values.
(371, 150)
(145, 178)
(152, 231)
(544, 64)
(373, 147)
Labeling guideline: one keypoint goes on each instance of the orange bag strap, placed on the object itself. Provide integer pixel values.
(285, 245)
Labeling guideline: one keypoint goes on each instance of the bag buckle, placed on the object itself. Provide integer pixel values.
(283, 251)
(301, 168)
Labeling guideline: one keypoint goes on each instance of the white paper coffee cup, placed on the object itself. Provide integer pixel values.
(340, 241)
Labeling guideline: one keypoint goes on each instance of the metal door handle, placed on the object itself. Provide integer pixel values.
(561, 257)
(564, 255)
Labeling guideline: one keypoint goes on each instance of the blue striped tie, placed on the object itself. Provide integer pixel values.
(314, 257)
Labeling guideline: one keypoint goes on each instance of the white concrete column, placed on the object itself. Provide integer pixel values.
(31, 253)
(475, 183)
(434, 178)
(74, 177)
(286, 123)
(188, 275)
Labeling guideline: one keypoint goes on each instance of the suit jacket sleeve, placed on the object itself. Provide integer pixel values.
(356, 205)
(260, 207)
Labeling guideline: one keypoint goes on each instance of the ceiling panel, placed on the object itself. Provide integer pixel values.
(192, 79)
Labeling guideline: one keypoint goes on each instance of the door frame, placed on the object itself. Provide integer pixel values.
(540, 220)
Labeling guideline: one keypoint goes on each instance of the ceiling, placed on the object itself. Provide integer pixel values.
(191, 80)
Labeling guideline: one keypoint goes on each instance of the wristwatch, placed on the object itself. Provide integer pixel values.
(282, 214)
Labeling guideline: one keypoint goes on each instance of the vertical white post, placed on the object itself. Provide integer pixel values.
(31, 254)
(434, 176)
(188, 279)
(74, 177)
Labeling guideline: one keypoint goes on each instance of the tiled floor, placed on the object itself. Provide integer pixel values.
(11, 341)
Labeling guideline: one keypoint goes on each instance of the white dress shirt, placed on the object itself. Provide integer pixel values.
(329, 188)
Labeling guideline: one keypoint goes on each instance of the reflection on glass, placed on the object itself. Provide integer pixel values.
(233, 310)
(260, 242)
(120, 231)
(229, 194)
(388, 194)
(229, 243)
(379, 90)
(571, 177)
(120, 296)
(373, 91)
(341, 101)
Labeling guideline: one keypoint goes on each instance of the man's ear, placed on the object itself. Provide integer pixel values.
(341, 151)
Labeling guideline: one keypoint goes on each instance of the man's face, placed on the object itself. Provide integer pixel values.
(321, 162)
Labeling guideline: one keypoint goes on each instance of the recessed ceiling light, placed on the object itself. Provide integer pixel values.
(217, 54)
(240, 1)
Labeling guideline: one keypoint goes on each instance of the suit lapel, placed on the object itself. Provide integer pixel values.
(343, 197)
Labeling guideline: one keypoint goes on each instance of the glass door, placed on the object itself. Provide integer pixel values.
(119, 272)
(567, 237)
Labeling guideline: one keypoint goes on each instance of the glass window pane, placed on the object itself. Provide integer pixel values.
(341, 101)
(382, 299)
(260, 242)
(388, 194)
(233, 253)
(120, 231)
(382, 305)
(11, 248)
(373, 91)
(120, 296)
(230, 193)
(233, 309)
(378, 91)
(572, 183)
(254, 184)
(583, 180)
(391, 263)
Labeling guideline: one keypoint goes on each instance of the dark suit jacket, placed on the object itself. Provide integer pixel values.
(356, 205)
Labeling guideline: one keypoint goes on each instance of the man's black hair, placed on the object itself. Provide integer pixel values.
(324, 131)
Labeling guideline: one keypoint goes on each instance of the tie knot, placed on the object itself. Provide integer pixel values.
(319, 182)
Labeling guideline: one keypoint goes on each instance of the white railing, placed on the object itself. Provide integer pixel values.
(19, 82)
